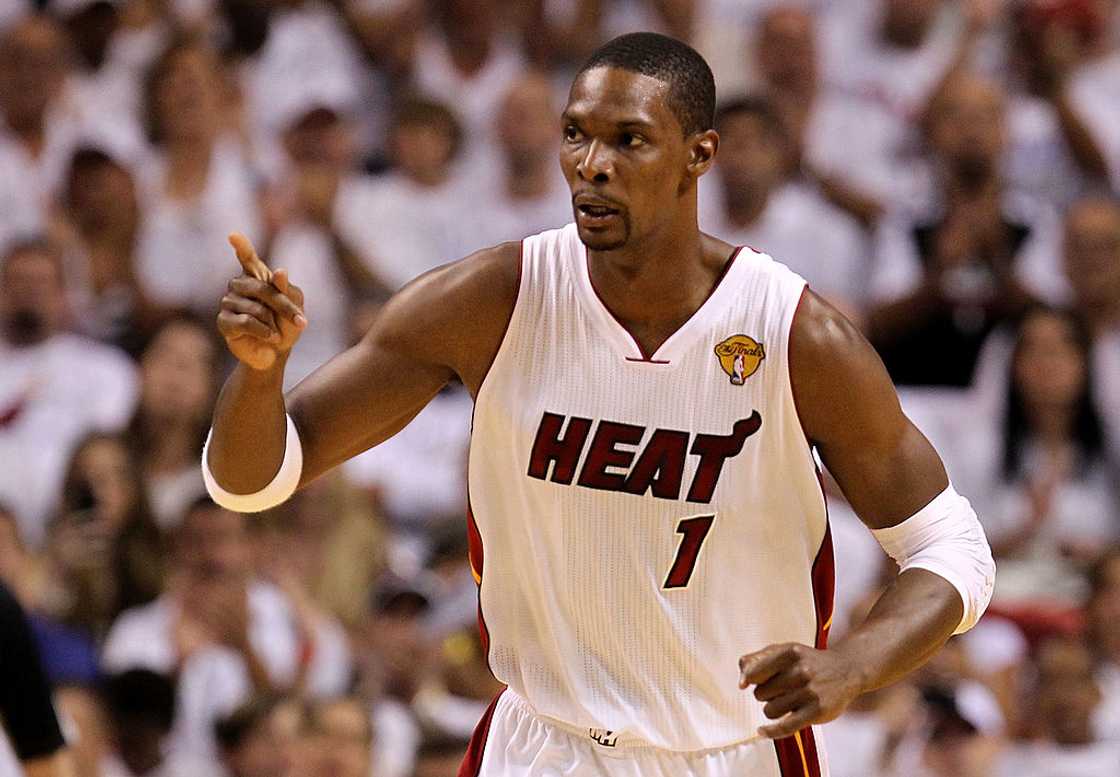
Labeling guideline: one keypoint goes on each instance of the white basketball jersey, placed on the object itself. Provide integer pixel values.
(639, 521)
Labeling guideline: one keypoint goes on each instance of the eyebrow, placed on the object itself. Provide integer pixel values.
(628, 123)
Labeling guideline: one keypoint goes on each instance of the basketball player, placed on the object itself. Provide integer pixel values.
(647, 526)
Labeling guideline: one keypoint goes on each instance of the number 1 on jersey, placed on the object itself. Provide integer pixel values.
(694, 531)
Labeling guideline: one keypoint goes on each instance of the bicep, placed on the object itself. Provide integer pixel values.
(360, 398)
(446, 324)
(885, 466)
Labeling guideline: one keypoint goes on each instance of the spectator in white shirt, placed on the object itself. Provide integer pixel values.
(197, 188)
(975, 258)
(1053, 505)
(225, 632)
(760, 202)
(1064, 119)
(55, 387)
(419, 215)
(34, 148)
(1092, 264)
(468, 61)
(321, 161)
(102, 213)
(179, 370)
(526, 193)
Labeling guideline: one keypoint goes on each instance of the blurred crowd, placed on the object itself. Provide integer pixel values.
(944, 171)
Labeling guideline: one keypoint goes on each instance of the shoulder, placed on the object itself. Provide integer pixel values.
(820, 331)
(835, 374)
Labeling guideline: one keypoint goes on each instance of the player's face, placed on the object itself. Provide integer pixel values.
(624, 155)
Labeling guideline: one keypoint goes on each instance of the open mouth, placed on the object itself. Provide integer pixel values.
(597, 211)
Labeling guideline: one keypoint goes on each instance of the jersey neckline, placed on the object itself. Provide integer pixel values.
(622, 340)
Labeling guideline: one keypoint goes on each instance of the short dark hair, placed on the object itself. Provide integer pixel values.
(140, 695)
(692, 87)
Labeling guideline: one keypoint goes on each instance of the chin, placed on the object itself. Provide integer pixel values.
(598, 241)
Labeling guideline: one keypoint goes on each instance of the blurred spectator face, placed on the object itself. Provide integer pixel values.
(185, 95)
(395, 634)
(527, 121)
(32, 71)
(214, 545)
(967, 128)
(32, 299)
(906, 22)
(424, 142)
(752, 152)
(103, 467)
(177, 374)
(1103, 611)
(1067, 692)
(786, 49)
(320, 137)
(1092, 252)
(342, 738)
(101, 196)
(470, 22)
(1050, 364)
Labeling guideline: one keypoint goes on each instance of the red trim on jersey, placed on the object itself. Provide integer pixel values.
(647, 358)
(824, 583)
(472, 762)
(475, 557)
(797, 755)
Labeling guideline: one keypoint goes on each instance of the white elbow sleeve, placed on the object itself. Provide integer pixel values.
(283, 485)
(946, 538)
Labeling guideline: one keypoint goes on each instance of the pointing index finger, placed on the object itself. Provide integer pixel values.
(250, 262)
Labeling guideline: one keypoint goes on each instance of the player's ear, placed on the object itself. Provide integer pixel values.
(702, 152)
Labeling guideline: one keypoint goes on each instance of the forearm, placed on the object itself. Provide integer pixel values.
(910, 622)
(250, 428)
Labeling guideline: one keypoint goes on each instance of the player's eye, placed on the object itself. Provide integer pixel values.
(571, 134)
(630, 140)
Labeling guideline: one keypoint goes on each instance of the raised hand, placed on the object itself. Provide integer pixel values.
(800, 685)
(261, 316)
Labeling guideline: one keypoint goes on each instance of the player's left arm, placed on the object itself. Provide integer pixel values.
(896, 483)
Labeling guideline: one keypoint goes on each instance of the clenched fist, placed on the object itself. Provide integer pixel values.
(800, 685)
(261, 316)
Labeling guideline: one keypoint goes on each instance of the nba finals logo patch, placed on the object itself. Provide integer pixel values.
(739, 356)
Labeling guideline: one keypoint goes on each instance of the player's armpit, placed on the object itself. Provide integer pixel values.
(849, 409)
(447, 323)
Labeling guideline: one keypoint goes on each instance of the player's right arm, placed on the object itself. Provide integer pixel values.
(447, 323)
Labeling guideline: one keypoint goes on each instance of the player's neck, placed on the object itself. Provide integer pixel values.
(655, 286)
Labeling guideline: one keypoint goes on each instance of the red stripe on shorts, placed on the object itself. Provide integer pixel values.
(472, 762)
(797, 755)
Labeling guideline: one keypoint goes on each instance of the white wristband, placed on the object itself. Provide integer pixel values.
(946, 538)
(283, 485)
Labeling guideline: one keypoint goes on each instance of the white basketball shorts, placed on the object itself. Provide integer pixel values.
(511, 741)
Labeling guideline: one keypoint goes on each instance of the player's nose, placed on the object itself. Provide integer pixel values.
(596, 165)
